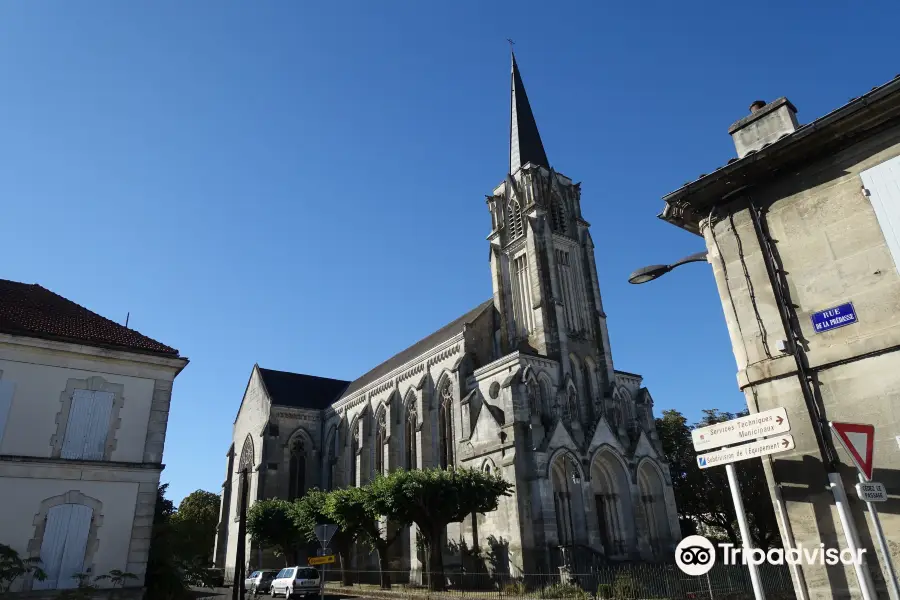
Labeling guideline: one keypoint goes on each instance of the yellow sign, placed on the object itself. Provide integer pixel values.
(321, 560)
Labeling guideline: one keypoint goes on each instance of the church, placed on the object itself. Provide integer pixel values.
(522, 385)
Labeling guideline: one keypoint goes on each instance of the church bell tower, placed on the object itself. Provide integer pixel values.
(542, 259)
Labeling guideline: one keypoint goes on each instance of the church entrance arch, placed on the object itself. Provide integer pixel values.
(612, 497)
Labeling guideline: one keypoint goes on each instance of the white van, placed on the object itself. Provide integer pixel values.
(295, 582)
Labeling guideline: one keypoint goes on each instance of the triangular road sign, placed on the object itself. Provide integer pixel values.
(859, 441)
(324, 533)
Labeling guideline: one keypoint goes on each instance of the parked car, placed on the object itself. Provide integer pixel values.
(295, 582)
(259, 581)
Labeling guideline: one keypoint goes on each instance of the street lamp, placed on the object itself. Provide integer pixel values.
(655, 271)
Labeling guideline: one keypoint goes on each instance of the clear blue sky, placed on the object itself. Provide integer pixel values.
(302, 184)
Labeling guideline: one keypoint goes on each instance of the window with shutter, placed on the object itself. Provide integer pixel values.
(64, 545)
(72, 562)
(88, 425)
(883, 184)
(6, 393)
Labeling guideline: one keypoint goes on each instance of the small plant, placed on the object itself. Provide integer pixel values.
(625, 586)
(514, 588)
(12, 566)
(117, 577)
(83, 591)
(564, 590)
(604, 591)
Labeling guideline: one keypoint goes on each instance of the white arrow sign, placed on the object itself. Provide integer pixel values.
(743, 429)
(871, 492)
(781, 443)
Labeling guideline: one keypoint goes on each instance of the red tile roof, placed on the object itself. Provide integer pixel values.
(34, 311)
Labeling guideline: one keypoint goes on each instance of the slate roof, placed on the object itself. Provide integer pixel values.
(525, 140)
(441, 335)
(33, 311)
(301, 391)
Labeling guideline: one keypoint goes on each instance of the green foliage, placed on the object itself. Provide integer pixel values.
(309, 511)
(514, 588)
(84, 590)
(349, 509)
(195, 524)
(170, 569)
(703, 496)
(625, 586)
(604, 591)
(116, 577)
(273, 523)
(12, 566)
(433, 498)
(564, 590)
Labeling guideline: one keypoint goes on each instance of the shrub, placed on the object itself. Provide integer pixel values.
(514, 588)
(624, 587)
(604, 591)
(564, 590)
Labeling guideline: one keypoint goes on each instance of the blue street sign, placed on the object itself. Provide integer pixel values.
(826, 320)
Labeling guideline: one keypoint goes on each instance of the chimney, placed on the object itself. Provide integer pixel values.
(765, 124)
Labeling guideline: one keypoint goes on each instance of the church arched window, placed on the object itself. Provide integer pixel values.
(354, 454)
(534, 397)
(557, 214)
(380, 436)
(297, 479)
(410, 434)
(445, 424)
(570, 405)
(515, 219)
(245, 467)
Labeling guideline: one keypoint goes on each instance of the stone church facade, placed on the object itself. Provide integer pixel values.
(522, 385)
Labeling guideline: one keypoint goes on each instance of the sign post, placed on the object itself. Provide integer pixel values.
(323, 534)
(739, 431)
(859, 442)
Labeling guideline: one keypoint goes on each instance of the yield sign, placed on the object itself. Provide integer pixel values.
(858, 440)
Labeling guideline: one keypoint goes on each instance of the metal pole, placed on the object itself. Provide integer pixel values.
(758, 592)
(237, 590)
(709, 584)
(861, 568)
(796, 573)
(883, 547)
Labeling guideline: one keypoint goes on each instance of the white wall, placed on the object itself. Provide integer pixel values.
(22, 498)
(36, 402)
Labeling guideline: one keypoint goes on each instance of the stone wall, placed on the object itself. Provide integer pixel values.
(831, 250)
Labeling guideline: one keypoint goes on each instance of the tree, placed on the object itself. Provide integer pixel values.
(311, 510)
(434, 498)
(272, 523)
(703, 496)
(195, 524)
(356, 516)
(12, 566)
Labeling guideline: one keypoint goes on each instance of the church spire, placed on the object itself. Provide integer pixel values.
(524, 140)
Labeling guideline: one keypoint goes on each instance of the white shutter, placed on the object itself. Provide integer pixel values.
(6, 393)
(883, 184)
(53, 544)
(72, 562)
(98, 426)
(78, 424)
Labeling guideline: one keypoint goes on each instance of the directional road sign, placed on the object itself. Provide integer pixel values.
(859, 441)
(743, 429)
(321, 560)
(871, 492)
(780, 443)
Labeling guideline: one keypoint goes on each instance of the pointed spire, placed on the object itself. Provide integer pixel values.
(524, 140)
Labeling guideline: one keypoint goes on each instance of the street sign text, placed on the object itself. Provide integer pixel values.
(871, 492)
(825, 320)
(781, 443)
(743, 429)
(321, 560)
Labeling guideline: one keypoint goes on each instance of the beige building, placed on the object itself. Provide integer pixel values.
(805, 220)
(84, 404)
(522, 385)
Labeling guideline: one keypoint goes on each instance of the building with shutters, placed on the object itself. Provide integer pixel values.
(803, 223)
(522, 385)
(84, 404)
